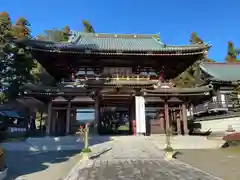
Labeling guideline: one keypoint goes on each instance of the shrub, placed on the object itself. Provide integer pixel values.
(86, 150)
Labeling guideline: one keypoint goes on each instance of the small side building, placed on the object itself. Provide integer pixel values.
(222, 112)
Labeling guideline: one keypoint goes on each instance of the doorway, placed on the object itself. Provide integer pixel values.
(114, 119)
(59, 123)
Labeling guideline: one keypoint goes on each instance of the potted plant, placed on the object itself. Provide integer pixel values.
(168, 150)
(84, 133)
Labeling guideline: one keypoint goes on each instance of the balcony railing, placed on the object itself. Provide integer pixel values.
(215, 106)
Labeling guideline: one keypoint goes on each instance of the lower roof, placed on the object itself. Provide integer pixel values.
(222, 71)
(48, 91)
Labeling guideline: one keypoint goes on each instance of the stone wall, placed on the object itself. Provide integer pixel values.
(221, 125)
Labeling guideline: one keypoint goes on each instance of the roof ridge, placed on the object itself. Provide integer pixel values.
(130, 35)
(221, 63)
(183, 45)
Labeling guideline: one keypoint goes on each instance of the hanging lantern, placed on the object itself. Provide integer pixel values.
(161, 76)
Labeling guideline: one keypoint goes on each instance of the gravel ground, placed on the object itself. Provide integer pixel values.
(223, 163)
(40, 166)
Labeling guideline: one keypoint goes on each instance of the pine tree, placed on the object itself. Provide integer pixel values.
(56, 35)
(21, 29)
(194, 39)
(88, 28)
(66, 33)
(231, 54)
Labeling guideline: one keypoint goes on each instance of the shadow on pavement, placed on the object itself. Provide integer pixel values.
(23, 163)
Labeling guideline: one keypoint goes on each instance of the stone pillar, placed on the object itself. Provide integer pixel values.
(132, 116)
(184, 117)
(166, 115)
(48, 124)
(140, 115)
(73, 121)
(68, 118)
(53, 122)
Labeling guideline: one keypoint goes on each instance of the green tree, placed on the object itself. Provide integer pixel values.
(88, 27)
(40, 74)
(56, 35)
(191, 76)
(5, 51)
(16, 61)
(194, 39)
(22, 61)
(232, 53)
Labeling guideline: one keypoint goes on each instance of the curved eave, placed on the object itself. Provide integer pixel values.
(68, 48)
(228, 82)
(180, 91)
(53, 90)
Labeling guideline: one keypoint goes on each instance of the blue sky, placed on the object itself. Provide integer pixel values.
(214, 21)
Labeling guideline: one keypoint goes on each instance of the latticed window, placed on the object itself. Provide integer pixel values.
(118, 70)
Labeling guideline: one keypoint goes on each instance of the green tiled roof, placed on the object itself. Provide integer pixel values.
(114, 43)
(129, 42)
(222, 71)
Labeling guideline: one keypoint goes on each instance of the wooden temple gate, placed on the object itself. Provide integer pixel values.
(169, 113)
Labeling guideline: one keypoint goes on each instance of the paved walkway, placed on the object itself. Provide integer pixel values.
(135, 158)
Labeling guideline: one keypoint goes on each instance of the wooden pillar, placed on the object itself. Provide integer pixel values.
(166, 114)
(48, 124)
(41, 120)
(53, 122)
(97, 112)
(184, 116)
(68, 114)
(178, 118)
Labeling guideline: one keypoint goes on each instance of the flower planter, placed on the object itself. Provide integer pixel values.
(85, 156)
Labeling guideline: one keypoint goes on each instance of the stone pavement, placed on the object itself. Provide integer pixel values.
(135, 158)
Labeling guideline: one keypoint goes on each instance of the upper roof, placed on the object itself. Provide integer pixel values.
(80, 42)
(127, 42)
(222, 71)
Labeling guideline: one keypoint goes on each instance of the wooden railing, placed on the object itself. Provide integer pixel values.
(215, 106)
